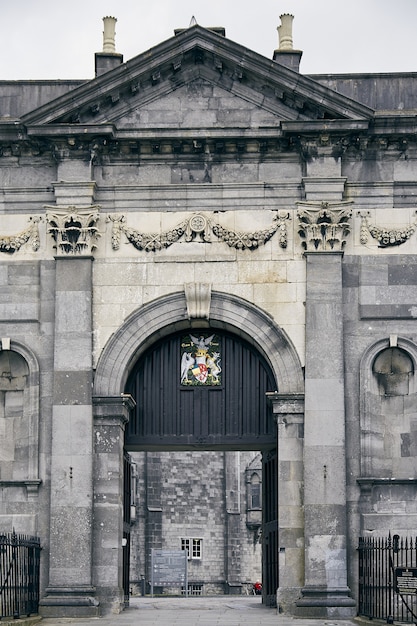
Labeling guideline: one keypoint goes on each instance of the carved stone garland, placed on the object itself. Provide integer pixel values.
(324, 226)
(73, 229)
(10, 244)
(385, 236)
(198, 228)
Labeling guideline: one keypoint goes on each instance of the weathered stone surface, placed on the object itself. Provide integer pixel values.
(208, 131)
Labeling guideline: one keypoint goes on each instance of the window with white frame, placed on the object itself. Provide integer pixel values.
(194, 547)
(194, 589)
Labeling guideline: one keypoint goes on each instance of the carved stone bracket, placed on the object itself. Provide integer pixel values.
(324, 226)
(73, 229)
(10, 244)
(198, 228)
(385, 236)
(198, 297)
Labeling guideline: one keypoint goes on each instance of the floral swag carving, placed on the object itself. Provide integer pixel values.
(10, 244)
(73, 229)
(198, 228)
(385, 236)
(324, 226)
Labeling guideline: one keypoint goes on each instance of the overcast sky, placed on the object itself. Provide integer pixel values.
(50, 39)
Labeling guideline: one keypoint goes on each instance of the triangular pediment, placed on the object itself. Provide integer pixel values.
(200, 103)
(197, 71)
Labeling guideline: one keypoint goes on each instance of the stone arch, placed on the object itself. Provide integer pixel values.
(28, 474)
(162, 316)
(370, 394)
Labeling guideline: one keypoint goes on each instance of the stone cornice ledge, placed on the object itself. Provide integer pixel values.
(394, 122)
(65, 130)
(113, 409)
(319, 126)
(32, 485)
(371, 481)
(286, 403)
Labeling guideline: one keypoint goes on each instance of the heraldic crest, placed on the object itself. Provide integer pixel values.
(201, 360)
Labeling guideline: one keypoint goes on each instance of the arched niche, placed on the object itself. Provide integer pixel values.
(387, 386)
(20, 407)
(394, 370)
(161, 317)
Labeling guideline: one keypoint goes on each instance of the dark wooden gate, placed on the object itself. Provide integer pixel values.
(270, 527)
(228, 413)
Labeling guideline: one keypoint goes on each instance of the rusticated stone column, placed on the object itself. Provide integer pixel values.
(70, 591)
(288, 412)
(324, 227)
(111, 415)
(325, 593)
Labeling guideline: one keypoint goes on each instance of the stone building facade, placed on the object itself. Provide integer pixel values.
(197, 512)
(202, 188)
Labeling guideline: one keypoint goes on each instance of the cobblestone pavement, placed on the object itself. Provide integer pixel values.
(197, 611)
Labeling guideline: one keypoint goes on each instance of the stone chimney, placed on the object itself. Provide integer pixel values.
(286, 55)
(109, 58)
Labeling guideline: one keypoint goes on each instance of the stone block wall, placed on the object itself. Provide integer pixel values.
(378, 317)
(187, 491)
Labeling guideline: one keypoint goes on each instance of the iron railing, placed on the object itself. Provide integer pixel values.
(19, 575)
(383, 561)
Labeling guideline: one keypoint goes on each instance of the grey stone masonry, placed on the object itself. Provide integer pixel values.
(110, 417)
(233, 560)
(289, 415)
(324, 443)
(70, 573)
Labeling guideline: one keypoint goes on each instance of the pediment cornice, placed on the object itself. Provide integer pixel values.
(198, 52)
(95, 142)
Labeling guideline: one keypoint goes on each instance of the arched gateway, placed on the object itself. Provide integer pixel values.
(148, 336)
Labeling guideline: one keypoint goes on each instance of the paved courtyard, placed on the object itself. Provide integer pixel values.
(197, 611)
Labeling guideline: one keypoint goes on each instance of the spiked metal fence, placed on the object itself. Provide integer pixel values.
(19, 575)
(388, 579)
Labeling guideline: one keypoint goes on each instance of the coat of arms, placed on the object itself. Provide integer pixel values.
(200, 360)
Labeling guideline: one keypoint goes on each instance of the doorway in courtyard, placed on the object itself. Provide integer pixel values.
(203, 467)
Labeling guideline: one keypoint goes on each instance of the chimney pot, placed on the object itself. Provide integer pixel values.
(109, 58)
(109, 45)
(286, 55)
(285, 32)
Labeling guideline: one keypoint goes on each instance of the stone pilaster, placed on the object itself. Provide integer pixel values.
(288, 412)
(70, 591)
(110, 417)
(325, 593)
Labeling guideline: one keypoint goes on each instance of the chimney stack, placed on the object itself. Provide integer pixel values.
(109, 58)
(286, 55)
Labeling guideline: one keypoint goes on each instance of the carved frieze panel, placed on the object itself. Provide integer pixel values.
(324, 226)
(198, 228)
(74, 229)
(12, 243)
(386, 236)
